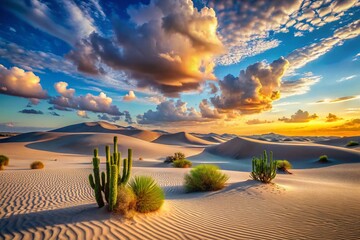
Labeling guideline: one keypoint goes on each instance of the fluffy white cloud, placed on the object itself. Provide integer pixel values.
(169, 111)
(299, 117)
(169, 47)
(298, 87)
(17, 82)
(130, 96)
(82, 113)
(253, 90)
(89, 102)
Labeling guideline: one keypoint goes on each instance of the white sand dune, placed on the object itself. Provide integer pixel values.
(240, 148)
(341, 142)
(181, 138)
(58, 203)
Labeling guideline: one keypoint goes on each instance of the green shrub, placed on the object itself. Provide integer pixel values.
(177, 156)
(126, 201)
(262, 169)
(352, 143)
(205, 178)
(323, 159)
(149, 196)
(37, 165)
(182, 163)
(283, 165)
(4, 160)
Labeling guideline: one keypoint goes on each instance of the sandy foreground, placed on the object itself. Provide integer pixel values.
(318, 201)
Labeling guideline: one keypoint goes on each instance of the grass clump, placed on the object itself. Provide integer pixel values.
(149, 196)
(126, 201)
(323, 159)
(283, 165)
(176, 156)
(205, 178)
(352, 144)
(182, 163)
(263, 168)
(37, 165)
(4, 161)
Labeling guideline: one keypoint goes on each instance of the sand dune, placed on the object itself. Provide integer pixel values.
(181, 138)
(240, 148)
(341, 142)
(58, 203)
(83, 143)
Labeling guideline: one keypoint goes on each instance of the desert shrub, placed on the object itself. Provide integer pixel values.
(283, 165)
(263, 169)
(323, 159)
(205, 178)
(140, 158)
(182, 163)
(352, 143)
(177, 156)
(4, 160)
(149, 195)
(37, 165)
(126, 201)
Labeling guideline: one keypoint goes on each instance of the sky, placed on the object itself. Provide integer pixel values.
(242, 67)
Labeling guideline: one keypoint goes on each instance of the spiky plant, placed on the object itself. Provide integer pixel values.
(149, 195)
(205, 178)
(95, 179)
(283, 165)
(263, 169)
(182, 163)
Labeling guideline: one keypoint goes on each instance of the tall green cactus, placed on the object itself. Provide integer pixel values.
(96, 185)
(262, 169)
(113, 177)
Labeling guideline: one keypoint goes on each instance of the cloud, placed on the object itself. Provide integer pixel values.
(108, 118)
(168, 46)
(299, 117)
(213, 88)
(31, 111)
(338, 100)
(350, 125)
(246, 27)
(301, 56)
(298, 86)
(40, 16)
(253, 90)
(346, 78)
(61, 88)
(208, 112)
(129, 97)
(257, 121)
(169, 111)
(54, 114)
(82, 113)
(98, 104)
(17, 82)
(332, 118)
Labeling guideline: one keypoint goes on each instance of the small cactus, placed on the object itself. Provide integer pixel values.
(262, 169)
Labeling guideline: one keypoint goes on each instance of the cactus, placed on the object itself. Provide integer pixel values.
(110, 180)
(262, 169)
(96, 185)
(113, 186)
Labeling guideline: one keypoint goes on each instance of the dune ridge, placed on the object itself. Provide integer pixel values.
(181, 138)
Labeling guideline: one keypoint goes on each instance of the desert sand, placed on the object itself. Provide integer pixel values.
(318, 201)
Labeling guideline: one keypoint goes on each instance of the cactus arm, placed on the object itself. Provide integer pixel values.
(91, 180)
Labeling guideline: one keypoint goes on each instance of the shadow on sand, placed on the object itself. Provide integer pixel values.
(35, 221)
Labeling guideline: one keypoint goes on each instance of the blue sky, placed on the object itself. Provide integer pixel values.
(176, 64)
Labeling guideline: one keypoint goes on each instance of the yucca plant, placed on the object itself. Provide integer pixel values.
(263, 169)
(149, 196)
(205, 177)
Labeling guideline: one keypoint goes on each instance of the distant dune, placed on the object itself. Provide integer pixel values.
(341, 142)
(181, 138)
(246, 148)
